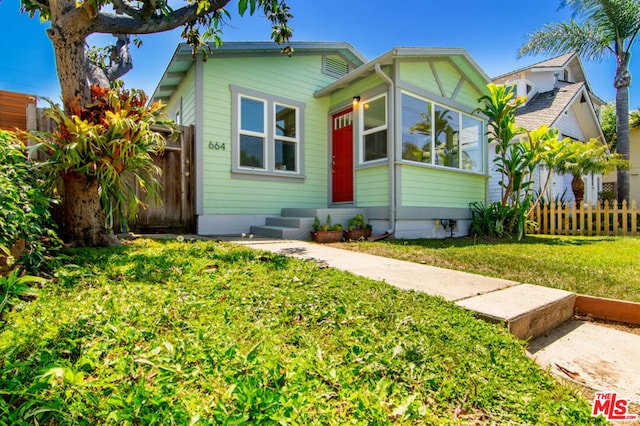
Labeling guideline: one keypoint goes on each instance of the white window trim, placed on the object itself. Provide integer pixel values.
(433, 141)
(269, 136)
(363, 133)
(261, 135)
(295, 139)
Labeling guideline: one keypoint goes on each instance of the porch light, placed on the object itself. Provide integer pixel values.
(356, 100)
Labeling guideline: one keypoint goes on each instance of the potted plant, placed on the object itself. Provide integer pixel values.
(326, 233)
(357, 229)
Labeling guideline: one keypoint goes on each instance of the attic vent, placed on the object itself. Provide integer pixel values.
(335, 66)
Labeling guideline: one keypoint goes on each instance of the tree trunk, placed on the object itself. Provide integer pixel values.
(82, 220)
(577, 186)
(622, 82)
(83, 223)
(70, 26)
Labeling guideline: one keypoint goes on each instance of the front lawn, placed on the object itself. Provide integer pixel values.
(595, 266)
(211, 333)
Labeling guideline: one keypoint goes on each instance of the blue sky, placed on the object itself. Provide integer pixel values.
(492, 31)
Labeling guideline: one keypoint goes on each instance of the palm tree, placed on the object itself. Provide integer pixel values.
(588, 157)
(605, 27)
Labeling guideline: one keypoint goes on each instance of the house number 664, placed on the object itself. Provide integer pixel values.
(217, 146)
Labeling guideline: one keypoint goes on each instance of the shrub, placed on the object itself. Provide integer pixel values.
(607, 196)
(497, 220)
(24, 205)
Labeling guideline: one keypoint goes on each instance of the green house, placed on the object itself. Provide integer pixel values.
(281, 139)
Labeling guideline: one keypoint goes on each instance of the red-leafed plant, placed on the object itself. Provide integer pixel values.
(102, 151)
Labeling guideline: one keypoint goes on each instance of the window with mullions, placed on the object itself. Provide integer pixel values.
(374, 129)
(267, 134)
(252, 133)
(436, 135)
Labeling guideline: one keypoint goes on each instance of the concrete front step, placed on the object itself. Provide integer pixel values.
(527, 310)
(290, 222)
(281, 232)
(297, 223)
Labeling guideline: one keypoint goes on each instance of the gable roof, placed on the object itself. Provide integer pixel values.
(458, 56)
(548, 64)
(546, 107)
(182, 58)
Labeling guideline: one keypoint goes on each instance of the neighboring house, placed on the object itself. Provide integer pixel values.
(326, 132)
(559, 96)
(634, 170)
(17, 111)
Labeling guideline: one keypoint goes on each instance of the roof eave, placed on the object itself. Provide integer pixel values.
(184, 52)
(399, 52)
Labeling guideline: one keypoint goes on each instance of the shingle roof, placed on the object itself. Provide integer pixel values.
(546, 107)
(557, 62)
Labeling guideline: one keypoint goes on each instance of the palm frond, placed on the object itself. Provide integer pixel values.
(563, 37)
(634, 119)
(596, 28)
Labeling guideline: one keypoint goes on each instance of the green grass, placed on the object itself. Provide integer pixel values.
(210, 333)
(595, 266)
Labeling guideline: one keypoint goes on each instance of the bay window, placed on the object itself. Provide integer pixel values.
(440, 136)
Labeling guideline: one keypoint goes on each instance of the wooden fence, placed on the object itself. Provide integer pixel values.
(608, 218)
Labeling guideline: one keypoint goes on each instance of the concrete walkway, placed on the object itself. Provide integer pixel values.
(596, 356)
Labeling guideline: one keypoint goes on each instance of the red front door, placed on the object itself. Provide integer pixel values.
(342, 160)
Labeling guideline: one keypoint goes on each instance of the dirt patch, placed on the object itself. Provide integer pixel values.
(627, 328)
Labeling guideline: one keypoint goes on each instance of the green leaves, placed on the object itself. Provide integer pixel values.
(112, 140)
(604, 26)
(139, 334)
(25, 214)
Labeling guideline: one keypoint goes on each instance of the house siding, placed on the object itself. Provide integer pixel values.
(227, 194)
(359, 88)
(441, 79)
(420, 74)
(372, 186)
(569, 126)
(184, 95)
(440, 188)
(543, 81)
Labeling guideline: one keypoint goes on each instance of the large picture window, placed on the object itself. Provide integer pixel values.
(374, 129)
(267, 134)
(440, 136)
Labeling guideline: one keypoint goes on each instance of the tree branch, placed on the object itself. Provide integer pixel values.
(126, 8)
(122, 62)
(109, 23)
